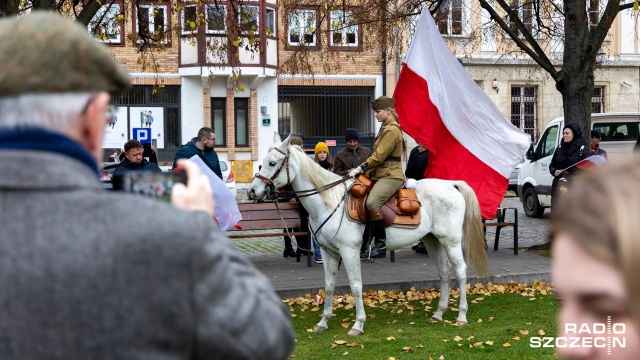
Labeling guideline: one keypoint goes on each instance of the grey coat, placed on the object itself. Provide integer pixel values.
(90, 274)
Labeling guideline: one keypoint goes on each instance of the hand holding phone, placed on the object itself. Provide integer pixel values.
(148, 183)
(197, 194)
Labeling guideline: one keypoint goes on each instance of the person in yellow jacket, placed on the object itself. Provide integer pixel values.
(384, 166)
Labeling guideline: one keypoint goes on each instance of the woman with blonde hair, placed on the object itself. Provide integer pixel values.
(595, 263)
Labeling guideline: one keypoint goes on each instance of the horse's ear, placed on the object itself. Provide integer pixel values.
(285, 143)
(276, 137)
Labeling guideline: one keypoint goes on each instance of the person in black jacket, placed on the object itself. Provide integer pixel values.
(572, 149)
(417, 164)
(133, 160)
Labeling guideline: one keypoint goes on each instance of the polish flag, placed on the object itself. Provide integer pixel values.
(442, 108)
(590, 163)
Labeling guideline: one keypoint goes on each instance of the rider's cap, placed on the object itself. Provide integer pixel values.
(382, 103)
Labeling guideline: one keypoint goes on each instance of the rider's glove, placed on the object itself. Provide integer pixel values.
(354, 172)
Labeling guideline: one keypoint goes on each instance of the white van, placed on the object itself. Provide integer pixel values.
(619, 135)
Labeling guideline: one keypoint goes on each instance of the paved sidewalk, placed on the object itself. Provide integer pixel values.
(293, 279)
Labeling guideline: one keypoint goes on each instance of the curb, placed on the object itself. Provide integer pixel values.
(404, 286)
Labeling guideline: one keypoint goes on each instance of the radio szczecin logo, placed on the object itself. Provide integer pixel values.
(598, 335)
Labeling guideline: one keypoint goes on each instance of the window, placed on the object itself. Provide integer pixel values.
(547, 143)
(270, 26)
(618, 131)
(242, 122)
(248, 18)
(343, 33)
(105, 25)
(152, 22)
(597, 100)
(524, 109)
(219, 120)
(302, 27)
(449, 17)
(189, 17)
(216, 15)
(164, 101)
(524, 10)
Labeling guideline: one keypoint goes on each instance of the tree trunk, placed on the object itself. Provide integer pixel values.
(575, 79)
(9, 7)
(49, 5)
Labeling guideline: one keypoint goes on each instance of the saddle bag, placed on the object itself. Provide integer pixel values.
(407, 201)
(361, 186)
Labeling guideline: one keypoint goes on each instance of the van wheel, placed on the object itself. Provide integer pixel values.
(531, 205)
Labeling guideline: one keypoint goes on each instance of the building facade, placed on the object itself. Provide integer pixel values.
(238, 91)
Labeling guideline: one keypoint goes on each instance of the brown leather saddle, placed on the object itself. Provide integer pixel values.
(390, 210)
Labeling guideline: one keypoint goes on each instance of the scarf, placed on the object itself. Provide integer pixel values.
(44, 140)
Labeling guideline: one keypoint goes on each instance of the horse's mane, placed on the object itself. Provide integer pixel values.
(317, 176)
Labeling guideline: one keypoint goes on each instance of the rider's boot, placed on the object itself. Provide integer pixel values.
(377, 221)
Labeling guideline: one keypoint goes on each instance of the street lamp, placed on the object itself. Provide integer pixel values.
(601, 57)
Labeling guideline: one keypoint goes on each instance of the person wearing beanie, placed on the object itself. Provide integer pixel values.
(351, 155)
(384, 167)
(322, 156)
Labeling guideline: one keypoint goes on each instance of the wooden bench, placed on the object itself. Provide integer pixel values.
(260, 217)
(500, 223)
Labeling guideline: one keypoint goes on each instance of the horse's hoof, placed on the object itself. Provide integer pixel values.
(461, 323)
(320, 328)
(434, 320)
(354, 332)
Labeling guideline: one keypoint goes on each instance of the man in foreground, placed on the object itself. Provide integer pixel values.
(74, 287)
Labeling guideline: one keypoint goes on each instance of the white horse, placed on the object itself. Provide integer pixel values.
(446, 206)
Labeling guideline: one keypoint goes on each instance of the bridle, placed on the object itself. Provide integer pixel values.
(273, 194)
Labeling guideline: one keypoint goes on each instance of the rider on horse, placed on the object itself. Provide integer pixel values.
(384, 166)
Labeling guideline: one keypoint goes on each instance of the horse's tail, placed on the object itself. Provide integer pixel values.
(473, 233)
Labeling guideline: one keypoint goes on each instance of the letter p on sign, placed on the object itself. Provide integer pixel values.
(142, 134)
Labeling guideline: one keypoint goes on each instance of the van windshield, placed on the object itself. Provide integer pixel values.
(618, 131)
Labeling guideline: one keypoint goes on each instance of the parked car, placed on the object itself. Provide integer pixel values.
(106, 174)
(619, 134)
(513, 178)
(228, 178)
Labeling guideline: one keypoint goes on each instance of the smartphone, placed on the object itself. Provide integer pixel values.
(152, 184)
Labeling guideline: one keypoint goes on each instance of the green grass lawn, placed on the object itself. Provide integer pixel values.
(502, 319)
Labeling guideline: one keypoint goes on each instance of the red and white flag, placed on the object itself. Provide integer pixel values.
(442, 108)
(590, 163)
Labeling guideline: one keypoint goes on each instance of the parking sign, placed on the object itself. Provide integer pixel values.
(142, 134)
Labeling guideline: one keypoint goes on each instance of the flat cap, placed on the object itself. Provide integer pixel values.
(382, 103)
(46, 53)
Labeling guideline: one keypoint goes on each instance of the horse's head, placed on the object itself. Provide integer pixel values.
(274, 172)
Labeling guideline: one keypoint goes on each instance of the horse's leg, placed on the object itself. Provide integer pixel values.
(460, 268)
(439, 257)
(330, 265)
(351, 260)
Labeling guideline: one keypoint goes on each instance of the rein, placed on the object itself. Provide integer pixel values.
(282, 195)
